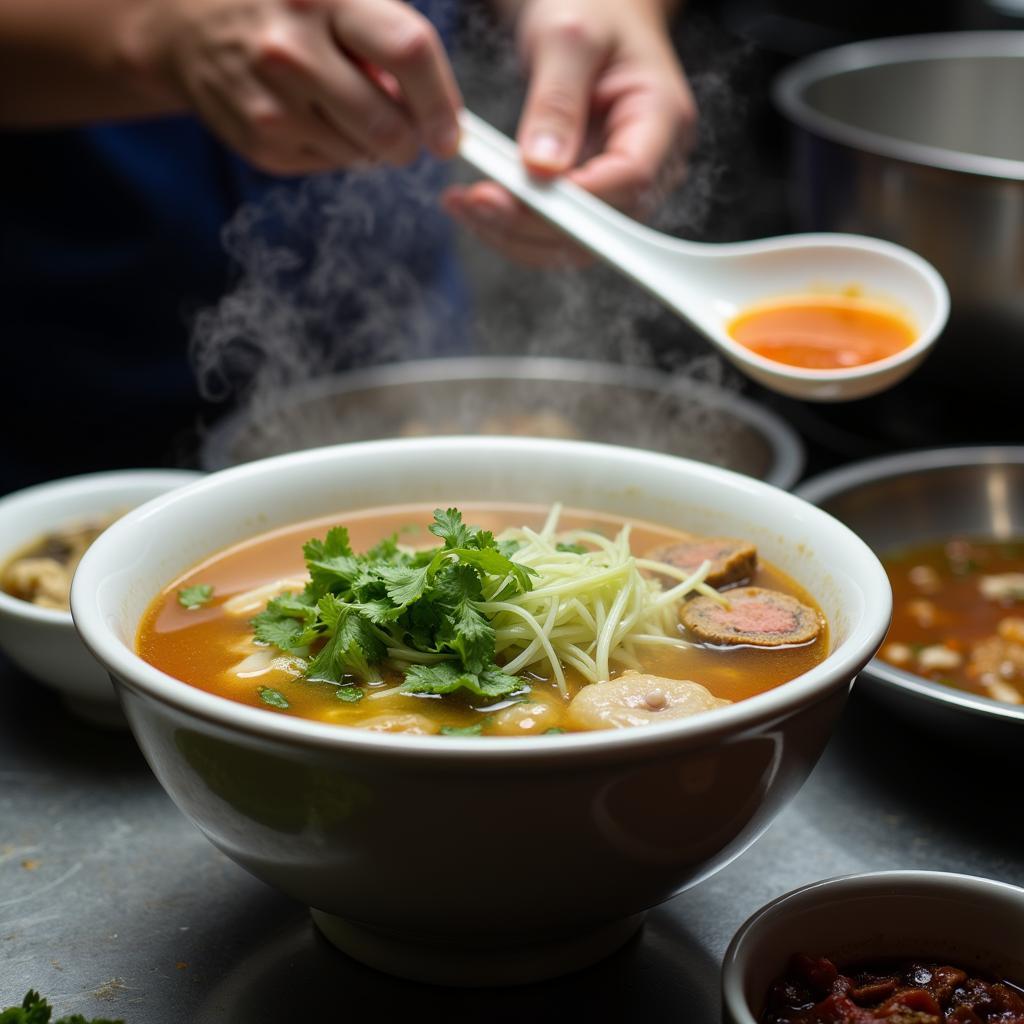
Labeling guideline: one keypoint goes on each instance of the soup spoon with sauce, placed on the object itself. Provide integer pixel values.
(824, 317)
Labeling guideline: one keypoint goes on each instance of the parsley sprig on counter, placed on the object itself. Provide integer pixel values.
(416, 610)
(35, 1009)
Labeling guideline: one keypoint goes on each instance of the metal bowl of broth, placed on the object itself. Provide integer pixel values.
(904, 501)
(535, 397)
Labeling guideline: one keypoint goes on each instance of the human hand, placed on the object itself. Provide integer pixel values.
(301, 86)
(607, 102)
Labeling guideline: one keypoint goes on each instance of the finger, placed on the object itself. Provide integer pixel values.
(309, 118)
(647, 140)
(565, 59)
(525, 253)
(314, 72)
(392, 36)
(511, 229)
(494, 204)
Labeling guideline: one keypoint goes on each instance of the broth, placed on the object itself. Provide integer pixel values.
(958, 615)
(822, 332)
(204, 645)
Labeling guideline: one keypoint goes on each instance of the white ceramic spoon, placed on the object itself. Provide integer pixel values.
(709, 284)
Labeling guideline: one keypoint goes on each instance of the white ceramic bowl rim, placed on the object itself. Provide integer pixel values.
(84, 487)
(849, 478)
(140, 676)
(869, 883)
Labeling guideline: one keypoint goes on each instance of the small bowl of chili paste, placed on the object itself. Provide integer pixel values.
(903, 947)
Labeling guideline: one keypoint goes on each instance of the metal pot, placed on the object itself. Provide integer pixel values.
(920, 140)
(532, 396)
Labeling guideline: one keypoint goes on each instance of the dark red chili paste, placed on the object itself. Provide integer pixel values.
(814, 991)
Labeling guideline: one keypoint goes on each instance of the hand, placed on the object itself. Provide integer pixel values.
(300, 86)
(607, 102)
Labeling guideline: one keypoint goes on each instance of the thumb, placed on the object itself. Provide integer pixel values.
(564, 62)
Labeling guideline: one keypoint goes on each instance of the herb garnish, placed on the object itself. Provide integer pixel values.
(274, 698)
(416, 608)
(36, 1010)
(195, 596)
(349, 694)
(462, 730)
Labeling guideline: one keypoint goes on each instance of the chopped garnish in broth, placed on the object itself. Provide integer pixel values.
(521, 621)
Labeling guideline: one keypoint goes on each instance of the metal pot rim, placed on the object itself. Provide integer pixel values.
(790, 87)
(787, 450)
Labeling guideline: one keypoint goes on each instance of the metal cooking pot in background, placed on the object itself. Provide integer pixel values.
(530, 396)
(920, 140)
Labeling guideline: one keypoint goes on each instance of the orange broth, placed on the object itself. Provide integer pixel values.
(202, 646)
(945, 628)
(833, 332)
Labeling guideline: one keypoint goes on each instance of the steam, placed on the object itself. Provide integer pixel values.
(355, 270)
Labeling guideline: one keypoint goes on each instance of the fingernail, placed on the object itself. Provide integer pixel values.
(544, 148)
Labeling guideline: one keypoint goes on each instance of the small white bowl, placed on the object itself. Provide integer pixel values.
(467, 860)
(974, 923)
(43, 642)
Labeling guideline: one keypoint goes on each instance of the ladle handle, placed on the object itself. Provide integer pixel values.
(590, 221)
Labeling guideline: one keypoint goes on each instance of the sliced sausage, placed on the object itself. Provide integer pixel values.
(731, 560)
(635, 698)
(764, 618)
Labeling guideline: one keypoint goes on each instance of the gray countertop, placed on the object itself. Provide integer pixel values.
(112, 904)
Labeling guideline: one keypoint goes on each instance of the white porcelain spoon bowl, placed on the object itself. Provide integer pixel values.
(708, 284)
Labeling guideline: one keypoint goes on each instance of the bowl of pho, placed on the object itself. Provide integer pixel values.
(480, 702)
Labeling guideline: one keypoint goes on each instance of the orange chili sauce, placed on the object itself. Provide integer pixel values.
(827, 332)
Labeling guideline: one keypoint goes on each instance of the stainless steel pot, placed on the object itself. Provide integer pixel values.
(920, 140)
(533, 396)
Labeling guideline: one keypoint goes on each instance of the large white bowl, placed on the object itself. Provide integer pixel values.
(468, 860)
(42, 641)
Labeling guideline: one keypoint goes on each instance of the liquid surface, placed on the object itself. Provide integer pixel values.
(822, 332)
(203, 646)
(958, 615)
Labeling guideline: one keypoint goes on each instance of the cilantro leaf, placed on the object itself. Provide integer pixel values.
(331, 563)
(448, 525)
(573, 549)
(271, 629)
(36, 1010)
(274, 698)
(352, 645)
(404, 584)
(468, 633)
(349, 694)
(447, 677)
(464, 730)
(195, 596)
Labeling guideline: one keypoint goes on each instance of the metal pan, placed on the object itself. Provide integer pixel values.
(915, 498)
(536, 396)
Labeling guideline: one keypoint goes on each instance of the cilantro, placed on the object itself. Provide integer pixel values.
(352, 646)
(274, 698)
(195, 596)
(356, 607)
(447, 677)
(349, 694)
(555, 730)
(465, 730)
(573, 549)
(36, 1010)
